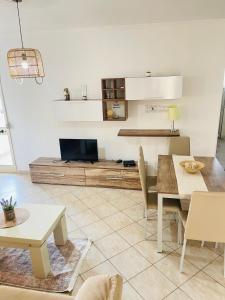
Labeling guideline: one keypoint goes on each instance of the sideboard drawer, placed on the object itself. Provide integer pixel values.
(103, 177)
(57, 175)
(131, 180)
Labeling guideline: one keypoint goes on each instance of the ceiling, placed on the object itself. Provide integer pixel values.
(56, 14)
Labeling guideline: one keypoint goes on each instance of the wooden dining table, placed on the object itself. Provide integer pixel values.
(213, 174)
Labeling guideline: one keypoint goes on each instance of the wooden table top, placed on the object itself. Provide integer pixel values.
(213, 175)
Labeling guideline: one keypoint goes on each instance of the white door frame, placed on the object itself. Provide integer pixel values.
(6, 130)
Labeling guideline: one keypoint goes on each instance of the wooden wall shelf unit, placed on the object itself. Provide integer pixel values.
(115, 107)
(104, 173)
(148, 132)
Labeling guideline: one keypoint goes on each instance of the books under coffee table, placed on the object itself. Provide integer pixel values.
(33, 234)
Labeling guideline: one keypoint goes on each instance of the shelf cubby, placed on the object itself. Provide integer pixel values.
(115, 107)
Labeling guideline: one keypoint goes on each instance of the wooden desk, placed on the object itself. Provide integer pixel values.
(213, 175)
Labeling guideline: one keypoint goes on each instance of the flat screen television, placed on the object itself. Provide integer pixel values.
(78, 149)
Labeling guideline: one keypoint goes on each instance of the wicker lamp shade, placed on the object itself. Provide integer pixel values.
(25, 63)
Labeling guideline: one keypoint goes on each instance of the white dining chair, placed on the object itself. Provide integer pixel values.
(151, 180)
(205, 220)
(179, 145)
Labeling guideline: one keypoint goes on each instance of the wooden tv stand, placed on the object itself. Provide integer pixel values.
(104, 173)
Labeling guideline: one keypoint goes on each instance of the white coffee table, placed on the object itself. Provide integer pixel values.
(33, 234)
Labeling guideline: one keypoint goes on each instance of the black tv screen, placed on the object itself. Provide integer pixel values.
(79, 149)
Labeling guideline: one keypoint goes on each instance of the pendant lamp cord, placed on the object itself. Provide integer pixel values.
(18, 13)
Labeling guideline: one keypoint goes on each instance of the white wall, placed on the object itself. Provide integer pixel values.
(195, 50)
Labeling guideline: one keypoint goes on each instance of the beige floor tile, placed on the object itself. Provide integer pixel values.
(203, 287)
(170, 232)
(83, 193)
(122, 202)
(112, 245)
(104, 210)
(169, 236)
(135, 212)
(94, 257)
(216, 270)
(71, 226)
(197, 255)
(36, 197)
(129, 293)
(178, 295)
(169, 266)
(93, 200)
(67, 197)
(149, 250)
(219, 250)
(104, 268)
(74, 188)
(73, 209)
(152, 225)
(118, 221)
(173, 245)
(130, 262)
(111, 194)
(133, 233)
(152, 285)
(57, 190)
(136, 196)
(85, 218)
(77, 234)
(96, 231)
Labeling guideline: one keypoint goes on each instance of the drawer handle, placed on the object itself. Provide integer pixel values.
(56, 175)
(113, 178)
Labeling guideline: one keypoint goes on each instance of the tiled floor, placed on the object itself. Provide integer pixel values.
(113, 219)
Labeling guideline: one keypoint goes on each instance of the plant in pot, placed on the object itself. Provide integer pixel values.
(8, 208)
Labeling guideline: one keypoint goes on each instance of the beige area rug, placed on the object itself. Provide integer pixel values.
(16, 268)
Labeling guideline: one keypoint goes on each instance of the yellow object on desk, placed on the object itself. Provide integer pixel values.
(192, 166)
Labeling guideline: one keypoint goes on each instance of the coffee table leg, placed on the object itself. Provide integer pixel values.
(60, 232)
(40, 261)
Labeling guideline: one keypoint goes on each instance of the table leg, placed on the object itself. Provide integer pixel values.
(40, 261)
(160, 221)
(60, 232)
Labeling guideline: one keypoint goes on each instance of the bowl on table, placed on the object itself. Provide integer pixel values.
(192, 166)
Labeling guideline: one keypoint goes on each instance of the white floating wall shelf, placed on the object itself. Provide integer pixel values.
(151, 88)
(78, 110)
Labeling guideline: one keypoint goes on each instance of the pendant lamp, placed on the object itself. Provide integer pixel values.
(25, 62)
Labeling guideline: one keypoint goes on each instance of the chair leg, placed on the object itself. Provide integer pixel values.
(182, 255)
(224, 263)
(203, 243)
(144, 213)
(146, 226)
(179, 239)
(216, 245)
